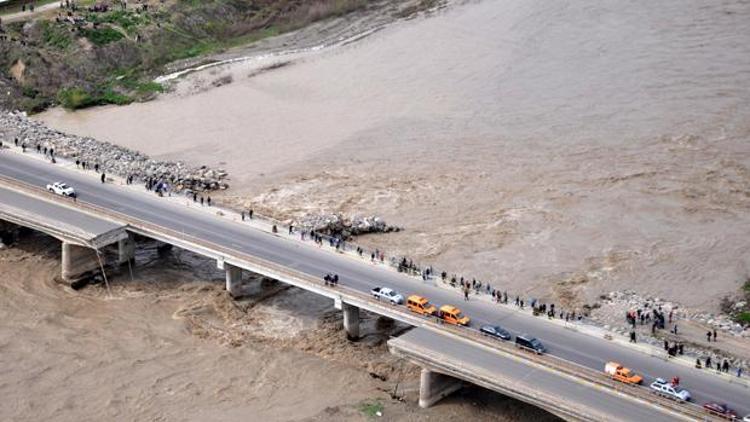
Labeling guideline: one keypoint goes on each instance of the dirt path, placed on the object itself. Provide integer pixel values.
(21, 16)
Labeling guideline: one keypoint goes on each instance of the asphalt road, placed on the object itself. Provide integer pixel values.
(88, 226)
(477, 360)
(304, 257)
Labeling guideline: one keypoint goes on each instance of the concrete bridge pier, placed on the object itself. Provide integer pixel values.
(77, 261)
(126, 250)
(351, 321)
(434, 386)
(233, 278)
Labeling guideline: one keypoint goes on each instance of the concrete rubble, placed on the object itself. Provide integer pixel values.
(337, 224)
(112, 159)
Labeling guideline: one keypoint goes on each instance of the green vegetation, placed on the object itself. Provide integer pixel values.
(371, 408)
(76, 98)
(126, 49)
(55, 36)
(128, 20)
(102, 36)
(743, 318)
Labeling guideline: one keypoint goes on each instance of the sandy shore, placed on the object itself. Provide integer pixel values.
(170, 345)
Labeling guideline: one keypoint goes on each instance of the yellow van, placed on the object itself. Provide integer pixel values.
(420, 305)
(453, 315)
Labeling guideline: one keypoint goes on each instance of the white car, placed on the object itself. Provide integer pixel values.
(663, 388)
(388, 294)
(60, 188)
(746, 418)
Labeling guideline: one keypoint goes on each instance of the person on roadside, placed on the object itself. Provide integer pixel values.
(104, 177)
(466, 293)
(725, 366)
(632, 336)
(714, 335)
(209, 201)
(708, 362)
(708, 336)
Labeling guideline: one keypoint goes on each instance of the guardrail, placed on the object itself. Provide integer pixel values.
(367, 302)
(432, 360)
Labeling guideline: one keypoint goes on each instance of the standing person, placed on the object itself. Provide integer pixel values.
(714, 335)
(466, 293)
(250, 213)
(201, 201)
(708, 362)
(725, 366)
(209, 201)
(195, 197)
(739, 372)
(104, 177)
(708, 336)
(242, 213)
(632, 336)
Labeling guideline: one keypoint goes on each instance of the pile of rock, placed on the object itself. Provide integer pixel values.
(111, 158)
(617, 303)
(335, 224)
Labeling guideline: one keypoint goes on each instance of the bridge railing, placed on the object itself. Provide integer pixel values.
(367, 302)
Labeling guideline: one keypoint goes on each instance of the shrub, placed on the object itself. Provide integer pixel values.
(102, 36)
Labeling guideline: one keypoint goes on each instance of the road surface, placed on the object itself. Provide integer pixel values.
(360, 275)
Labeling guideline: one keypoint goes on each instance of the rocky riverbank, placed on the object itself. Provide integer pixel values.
(112, 159)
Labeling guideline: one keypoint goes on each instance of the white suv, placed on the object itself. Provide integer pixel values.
(666, 389)
(61, 188)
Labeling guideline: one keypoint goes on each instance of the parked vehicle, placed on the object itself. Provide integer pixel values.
(452, 315)
(387, 294)
(60, 188)
(495, 331)
(620, 373)
(670, 390)
(746, 418)
(420, 305)
(528, 342)
(721, 410)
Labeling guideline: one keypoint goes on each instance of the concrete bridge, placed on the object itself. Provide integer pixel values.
(576, 390)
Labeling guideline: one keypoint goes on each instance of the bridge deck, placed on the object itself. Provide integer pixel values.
(543, 388)
(57, 220)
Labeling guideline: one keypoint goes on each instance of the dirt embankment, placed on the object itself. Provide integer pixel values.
(106, 54)
(169, 344)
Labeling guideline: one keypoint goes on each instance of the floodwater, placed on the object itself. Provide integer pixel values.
(560, 149)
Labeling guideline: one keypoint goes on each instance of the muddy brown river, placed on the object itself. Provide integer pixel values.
(558, 149)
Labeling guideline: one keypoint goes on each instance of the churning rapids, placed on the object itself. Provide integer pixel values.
(561, 149)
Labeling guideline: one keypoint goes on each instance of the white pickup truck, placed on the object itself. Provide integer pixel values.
(387, 294)
(60, 188)
(663, 388)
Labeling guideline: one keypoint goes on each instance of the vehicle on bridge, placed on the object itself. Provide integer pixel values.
(620, 373)
(420, 305)
(61, 188)
(495, 331)
(720, 410)
(387, 294)
(530, 343)
(670, 390)
(453, 315)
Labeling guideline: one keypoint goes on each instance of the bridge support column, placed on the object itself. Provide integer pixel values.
(77, 261)
(234, 278)
(351, 321)
(126, 250)
(433, 387)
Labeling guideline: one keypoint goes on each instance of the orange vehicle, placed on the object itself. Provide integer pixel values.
(620, 373)
(453, 315)
(420, 305)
